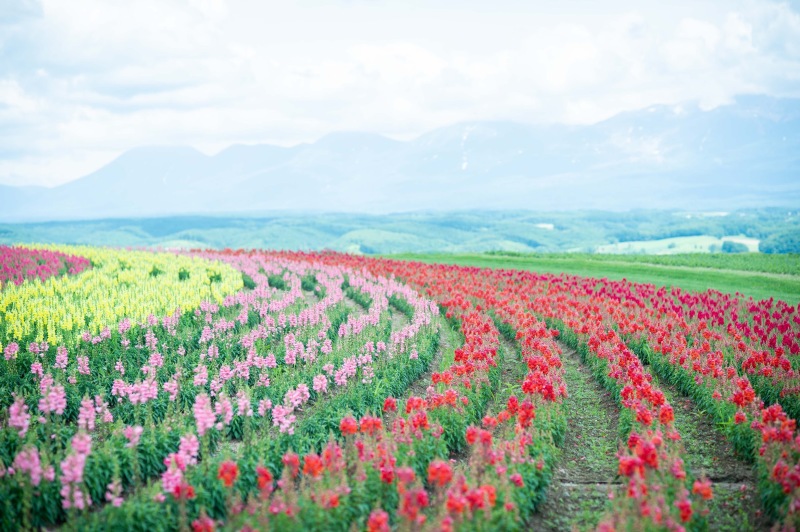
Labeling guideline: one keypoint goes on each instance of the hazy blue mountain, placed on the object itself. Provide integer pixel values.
(667, 157)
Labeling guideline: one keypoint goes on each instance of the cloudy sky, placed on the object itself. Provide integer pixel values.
(82, 81)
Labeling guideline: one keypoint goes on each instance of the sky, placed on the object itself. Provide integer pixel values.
(82, 81)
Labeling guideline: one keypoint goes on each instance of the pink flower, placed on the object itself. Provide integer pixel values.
(243, 404)
(83, 365)
(282, 417)
(132, 434)
(201, 376)
(189, 449)
(173, 476)
(224, 409)
(54, 399)
(72, 473)
(62, 358)
(203, 414)
(320, 384)
(156, 360)
(82, 443)
(19, 418)
(298, 396)
(264, 406)
(27, 461)
(86, 416)
(11, 350)
(171, 386)
(114, 493)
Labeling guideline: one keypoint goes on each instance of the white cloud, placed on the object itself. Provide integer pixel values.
(82, 81)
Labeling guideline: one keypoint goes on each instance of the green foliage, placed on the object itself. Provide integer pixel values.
(276, 281)
(729, 246)
(783, 242)
(308, 282)
(402, 305)
(249, 284)
(363, 300)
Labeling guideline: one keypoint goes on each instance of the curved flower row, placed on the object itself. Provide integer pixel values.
(394, 468)
(150, 399)
(658, 488)
(18, 264)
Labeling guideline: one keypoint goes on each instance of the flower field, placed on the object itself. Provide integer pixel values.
(250, 390)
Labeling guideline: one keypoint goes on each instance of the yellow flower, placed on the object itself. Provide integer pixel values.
(121, 284)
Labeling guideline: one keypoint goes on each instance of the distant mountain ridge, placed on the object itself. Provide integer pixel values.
(664, 157)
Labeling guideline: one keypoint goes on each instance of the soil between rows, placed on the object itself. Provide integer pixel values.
(736, 503)
(587, 468)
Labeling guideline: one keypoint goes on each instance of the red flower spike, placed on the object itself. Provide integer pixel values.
(228, 471)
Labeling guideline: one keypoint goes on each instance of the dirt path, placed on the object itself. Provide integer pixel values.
(736, 503)
(586, 470)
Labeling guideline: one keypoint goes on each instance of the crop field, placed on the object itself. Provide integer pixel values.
(257, 390)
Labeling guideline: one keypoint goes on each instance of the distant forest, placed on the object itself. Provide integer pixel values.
(776, 230)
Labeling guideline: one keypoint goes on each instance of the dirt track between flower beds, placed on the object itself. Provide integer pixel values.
(586, 472)
(587, 468)
(736, 503)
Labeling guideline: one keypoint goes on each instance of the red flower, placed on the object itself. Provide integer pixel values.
(740, 417)
(371, 425)
(331, 501)
(313, 465)
(378, 521)
(703, 487)
(527, 413)
(406, 475)
(183, 491)
(390, 404)
(512, 405)
(516, 479)
(472, 434)
(490, 492)
(348, 426)
(387, 475)
(203, 524)
(439, 472)
(456, 503)
(264, 477)
(292, 461)
(666, 415)
(228, 471)
(685, 507)
(419, 421)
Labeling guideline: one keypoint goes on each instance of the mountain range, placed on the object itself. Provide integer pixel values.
(746, 154)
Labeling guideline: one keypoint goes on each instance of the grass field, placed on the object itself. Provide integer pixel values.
(757, 275)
